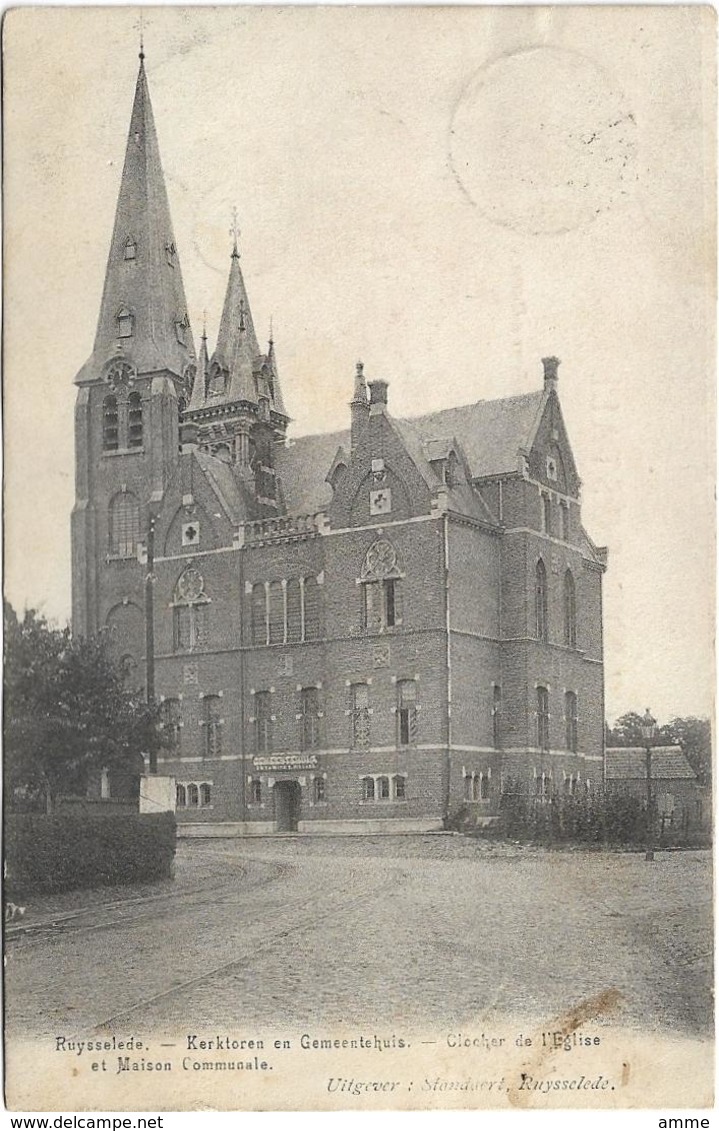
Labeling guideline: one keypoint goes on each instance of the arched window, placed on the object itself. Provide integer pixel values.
(130, 251)
(213, 726)
(312, 608)
(259, 614)
(191, 611)
(181, 796)
(381, 596)
(134, 420)
(294, 611)
(110, 425)
(205, 794)
(277, 613)
(496, 716)
(543, 718)
(124, 522)
(171, 722)
(383, 793)
(181, 406)
(368, 789)
(540, 601)
(570, 610)
(407, 711)
(571, 720)
(193, 797)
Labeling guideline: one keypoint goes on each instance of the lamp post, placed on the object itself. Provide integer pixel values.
(649, 728)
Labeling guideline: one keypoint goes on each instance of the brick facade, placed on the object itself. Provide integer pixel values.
(347, 629)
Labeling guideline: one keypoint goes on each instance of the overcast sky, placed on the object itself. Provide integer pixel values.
(449, 194)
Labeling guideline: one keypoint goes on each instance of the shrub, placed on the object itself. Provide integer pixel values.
(71, 850)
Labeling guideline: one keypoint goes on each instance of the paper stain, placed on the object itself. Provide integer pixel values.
(590, 1009)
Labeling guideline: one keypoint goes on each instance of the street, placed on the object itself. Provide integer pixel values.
(422, 930)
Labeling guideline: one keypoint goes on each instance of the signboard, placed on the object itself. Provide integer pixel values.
(279, 762)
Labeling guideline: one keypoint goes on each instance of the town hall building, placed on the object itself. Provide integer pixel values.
(367, 630)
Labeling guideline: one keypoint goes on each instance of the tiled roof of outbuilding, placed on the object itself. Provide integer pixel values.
(626, 763)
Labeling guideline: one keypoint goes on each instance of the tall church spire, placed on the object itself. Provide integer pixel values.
(143, 314)
(233, 362)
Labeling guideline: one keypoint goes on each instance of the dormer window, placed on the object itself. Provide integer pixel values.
(181, 328)
(125, 323)
(130, 251)
(551, 469)
(170, 253)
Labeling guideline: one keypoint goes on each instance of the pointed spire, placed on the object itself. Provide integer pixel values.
(199, 385)
(143, 314)
(237, 345)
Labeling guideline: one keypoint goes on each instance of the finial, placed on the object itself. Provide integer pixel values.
(142, 37)
(235, 233)
(360, 369)
(204, 324)
(271, 338)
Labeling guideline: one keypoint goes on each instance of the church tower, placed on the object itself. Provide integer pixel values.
(236, 403)
(130, 394)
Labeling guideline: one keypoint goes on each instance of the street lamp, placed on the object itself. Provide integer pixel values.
(649, 730)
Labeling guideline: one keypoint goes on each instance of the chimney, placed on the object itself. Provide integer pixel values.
(377, 397)
(359, 408)
(551, 365)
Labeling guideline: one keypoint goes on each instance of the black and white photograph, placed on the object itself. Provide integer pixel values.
(359, 442)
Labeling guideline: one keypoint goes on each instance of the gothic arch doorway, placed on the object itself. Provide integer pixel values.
(287, 796)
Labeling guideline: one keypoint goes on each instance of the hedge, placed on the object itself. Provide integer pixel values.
(72, 850)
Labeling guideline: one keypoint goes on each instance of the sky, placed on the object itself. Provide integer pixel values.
(449, 194)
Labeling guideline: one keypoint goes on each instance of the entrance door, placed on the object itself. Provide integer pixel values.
(287, 806)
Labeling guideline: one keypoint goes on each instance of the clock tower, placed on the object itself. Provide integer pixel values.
(129, 396)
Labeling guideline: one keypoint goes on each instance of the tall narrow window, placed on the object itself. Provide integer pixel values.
(171, 723)
(294, 611)
(368, 789)
(130, 248)
(400, 787)
(263, 722)
(134, 420)
(571, 720)
(546, 514)
(407, 711)
(310, 718)
(124, 525)
(110, 425)
(193, 796)
(540, 601)
(312, 608)
(564, 513)
(484, 784)
(259, 614)
(383, 792)
(496, 716)
(360, 714)
(543, 718)
(277, 613)
(380, 579)
(180, 796)
(570, 610)
(256, 791)
(191, 612)
(213, 726)
(319, 790)
(205, 794)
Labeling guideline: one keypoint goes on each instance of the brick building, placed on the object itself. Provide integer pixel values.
(371, 628)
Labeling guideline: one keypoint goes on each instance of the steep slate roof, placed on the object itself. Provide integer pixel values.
(148, 285)
(627, 763)
(302, 465)
(490, 432)
(234, 499)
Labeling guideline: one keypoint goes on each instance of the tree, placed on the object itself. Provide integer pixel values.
(68, 712)
(627, 731)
